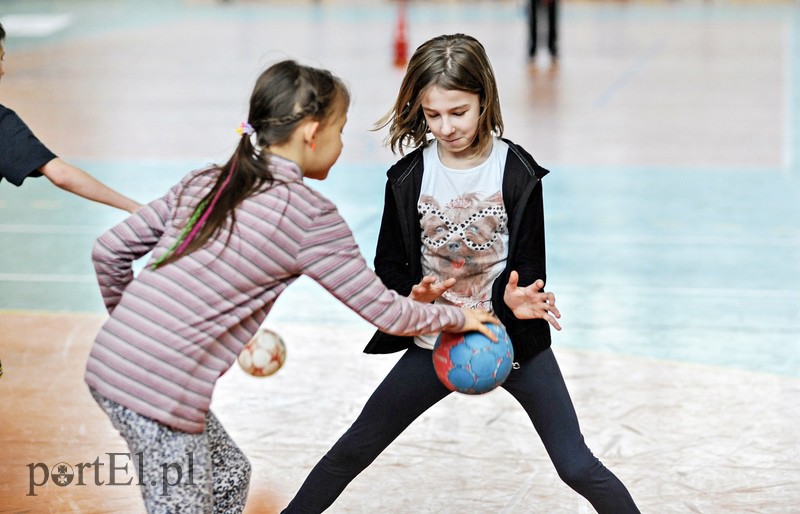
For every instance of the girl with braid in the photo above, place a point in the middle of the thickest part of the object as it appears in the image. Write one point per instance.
(463, 225)
(225, 242)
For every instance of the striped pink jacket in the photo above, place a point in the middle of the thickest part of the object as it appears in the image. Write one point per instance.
(173, 331)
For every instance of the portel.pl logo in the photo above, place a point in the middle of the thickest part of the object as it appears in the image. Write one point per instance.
(119, 471)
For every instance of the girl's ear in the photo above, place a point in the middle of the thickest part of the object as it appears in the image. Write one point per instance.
(310, 129)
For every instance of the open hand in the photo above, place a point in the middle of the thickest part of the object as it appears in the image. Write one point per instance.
(529, 303)
(428, 289)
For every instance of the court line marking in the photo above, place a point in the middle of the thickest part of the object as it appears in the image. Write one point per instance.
(792, 81)
(671, 240)
(50, 229)
(630, 73)
(633, 290)
(619, 290)
(35, 25)
(46, 277)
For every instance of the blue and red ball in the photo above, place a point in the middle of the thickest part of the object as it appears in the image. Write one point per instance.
(471, 363)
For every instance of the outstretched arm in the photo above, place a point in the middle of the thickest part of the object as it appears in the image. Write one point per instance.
(530, 302)
(429, 290)
(77, 181)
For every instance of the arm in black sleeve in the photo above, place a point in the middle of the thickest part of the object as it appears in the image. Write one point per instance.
(527, 255)
(392, 262)
(530, 245)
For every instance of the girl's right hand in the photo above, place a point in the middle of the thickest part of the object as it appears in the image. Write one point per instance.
(474, 322)
(429, 289)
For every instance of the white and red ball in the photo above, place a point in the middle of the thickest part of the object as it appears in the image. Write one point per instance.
(264, 354)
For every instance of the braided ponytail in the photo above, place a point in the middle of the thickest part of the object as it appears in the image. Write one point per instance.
(284, 95)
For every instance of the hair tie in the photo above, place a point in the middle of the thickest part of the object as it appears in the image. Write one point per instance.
(257, 148)
(245, 128)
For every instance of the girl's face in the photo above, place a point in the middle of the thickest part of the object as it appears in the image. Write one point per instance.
(2, 56)
(452, 117)
(328, 146)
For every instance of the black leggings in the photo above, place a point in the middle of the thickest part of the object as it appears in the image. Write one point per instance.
(412, 387)
(551, 7)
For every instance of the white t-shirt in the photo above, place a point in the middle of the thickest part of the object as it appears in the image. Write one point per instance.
(464, 228)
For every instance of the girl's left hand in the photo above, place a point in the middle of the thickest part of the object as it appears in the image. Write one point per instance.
(529, 303)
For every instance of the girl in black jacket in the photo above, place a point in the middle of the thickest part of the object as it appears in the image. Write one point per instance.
(463, 224)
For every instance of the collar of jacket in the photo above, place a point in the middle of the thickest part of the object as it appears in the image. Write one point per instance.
(520, 176)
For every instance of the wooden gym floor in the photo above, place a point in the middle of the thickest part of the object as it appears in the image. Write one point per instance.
(672, 129)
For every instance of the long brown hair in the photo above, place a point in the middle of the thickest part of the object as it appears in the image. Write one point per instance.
(452, 62)
(284, 95)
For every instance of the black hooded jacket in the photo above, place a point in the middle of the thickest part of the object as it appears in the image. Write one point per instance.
(398, 255)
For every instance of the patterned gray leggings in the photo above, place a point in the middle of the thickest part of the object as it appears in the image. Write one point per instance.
(181, 472)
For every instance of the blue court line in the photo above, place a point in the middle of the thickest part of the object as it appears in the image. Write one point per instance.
(46, 277)
(792, 129)
(629, 74)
